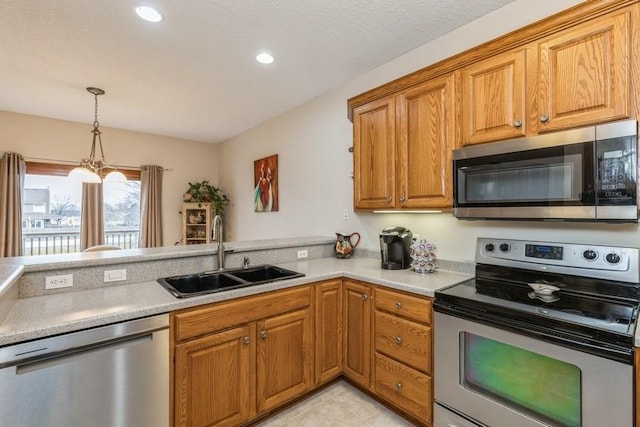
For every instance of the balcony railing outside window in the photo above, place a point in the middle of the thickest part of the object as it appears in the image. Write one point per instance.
(63, 242)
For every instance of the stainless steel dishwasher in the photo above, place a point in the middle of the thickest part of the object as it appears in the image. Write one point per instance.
(115, 375)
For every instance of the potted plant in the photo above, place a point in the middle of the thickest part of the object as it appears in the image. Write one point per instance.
(204, 192)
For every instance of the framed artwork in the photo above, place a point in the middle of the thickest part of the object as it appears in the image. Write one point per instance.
(265, 180)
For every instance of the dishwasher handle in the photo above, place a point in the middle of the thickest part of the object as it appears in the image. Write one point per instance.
(48, 360)
(84, 340)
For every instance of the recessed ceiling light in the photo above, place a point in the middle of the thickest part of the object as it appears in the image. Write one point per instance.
(148, 14)
(264, 58)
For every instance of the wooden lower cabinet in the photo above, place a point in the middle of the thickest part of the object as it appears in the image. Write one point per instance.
(405, 388)
(403, 344)
(236, 361)
(328, 325)
(215, 379)
(356, 345)
(285, 358)
(226, 375)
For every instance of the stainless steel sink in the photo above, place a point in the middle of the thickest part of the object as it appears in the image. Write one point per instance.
(216, 281)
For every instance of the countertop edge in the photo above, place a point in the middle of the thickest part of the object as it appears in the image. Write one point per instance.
(88, 316)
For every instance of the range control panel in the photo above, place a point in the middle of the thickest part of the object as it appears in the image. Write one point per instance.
(571, 258)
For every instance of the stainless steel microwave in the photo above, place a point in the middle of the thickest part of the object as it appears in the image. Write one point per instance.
(583, 174)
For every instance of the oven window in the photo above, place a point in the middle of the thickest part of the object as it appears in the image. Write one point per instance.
(542, 387)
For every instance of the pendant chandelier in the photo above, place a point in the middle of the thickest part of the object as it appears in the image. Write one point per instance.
(92, 169)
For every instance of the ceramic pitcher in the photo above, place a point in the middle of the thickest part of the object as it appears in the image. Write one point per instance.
(345, 244)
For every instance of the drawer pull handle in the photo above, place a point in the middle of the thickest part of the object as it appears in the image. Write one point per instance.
(544, 118)
(398, 304)
(246, 340)
(263, 334)
(365, 297)
(517, 123)
(398, 340)
(399, 386)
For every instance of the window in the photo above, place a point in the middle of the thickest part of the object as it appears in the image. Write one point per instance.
(51, 210)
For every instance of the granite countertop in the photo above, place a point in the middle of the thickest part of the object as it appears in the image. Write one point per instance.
(42, 316)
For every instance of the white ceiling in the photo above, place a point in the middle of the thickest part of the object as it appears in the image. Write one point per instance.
(194, 75)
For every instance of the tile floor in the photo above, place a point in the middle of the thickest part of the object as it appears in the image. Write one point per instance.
(340, 404)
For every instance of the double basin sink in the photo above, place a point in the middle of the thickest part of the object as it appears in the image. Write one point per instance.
(223, 280)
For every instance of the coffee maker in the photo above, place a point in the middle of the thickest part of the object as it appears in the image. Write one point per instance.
(395, 248)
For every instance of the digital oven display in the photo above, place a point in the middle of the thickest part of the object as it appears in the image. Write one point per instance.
(543, 251)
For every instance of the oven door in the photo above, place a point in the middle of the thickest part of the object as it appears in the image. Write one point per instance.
(501, 378)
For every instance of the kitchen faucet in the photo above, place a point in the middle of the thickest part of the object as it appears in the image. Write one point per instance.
(217, 226)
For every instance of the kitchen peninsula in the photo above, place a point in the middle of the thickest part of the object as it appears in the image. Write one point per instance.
(90, 303)
(31, 313)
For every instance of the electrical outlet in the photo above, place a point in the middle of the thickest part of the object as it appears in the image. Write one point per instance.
(345, 214)
(55, 282)
(303, 253)
(115, 275)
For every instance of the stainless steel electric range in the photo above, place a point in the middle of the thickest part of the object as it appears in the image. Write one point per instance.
(543, 336)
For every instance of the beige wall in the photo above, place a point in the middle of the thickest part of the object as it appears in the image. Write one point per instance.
(312, 142)
(188, 161)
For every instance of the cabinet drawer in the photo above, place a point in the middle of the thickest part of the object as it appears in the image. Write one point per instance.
(408, 306)
(404, 387)
(195, 322)
(406, 341)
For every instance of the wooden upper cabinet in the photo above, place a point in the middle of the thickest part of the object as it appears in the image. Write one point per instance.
(494, 91)
(426, 135)
(585, 73)
(374, 159)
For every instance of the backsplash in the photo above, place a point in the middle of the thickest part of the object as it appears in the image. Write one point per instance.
(33, 283)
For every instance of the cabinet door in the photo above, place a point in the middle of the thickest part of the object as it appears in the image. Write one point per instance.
(373, 152)
(426, 136)
(357, 333)
(285, 358)
(493, 98)
(214, 381)
(328, 345)
(585, 73)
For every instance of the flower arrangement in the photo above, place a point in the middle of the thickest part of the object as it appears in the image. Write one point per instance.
(204, 192)
(423, 257)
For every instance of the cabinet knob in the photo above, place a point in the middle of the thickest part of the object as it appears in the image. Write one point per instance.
(351, 149)
(402, 198)
(398, 340)
(365, 297)
(544, 118)
(399, 386)
(517, 123)
(389, 199)
(398, 305)
(246, 340)
(263, 334)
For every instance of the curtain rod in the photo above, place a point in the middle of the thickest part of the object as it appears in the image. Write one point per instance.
(68, 162)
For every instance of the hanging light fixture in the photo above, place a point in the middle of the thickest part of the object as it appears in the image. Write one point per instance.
(92, 169)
